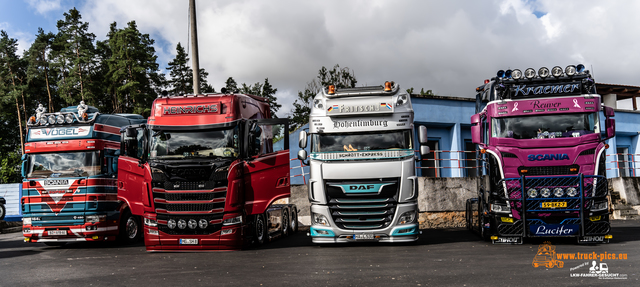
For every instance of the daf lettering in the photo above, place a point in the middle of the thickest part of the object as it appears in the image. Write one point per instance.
(361, 187)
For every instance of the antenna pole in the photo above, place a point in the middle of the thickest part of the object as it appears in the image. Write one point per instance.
(194, 44)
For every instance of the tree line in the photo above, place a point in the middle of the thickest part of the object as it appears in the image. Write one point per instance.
(117, 75)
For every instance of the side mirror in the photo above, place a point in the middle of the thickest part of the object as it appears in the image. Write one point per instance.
(302, 155)
(424, 150)
(23, 171)
(611, 127)
(475, 129)
(24, 156)
(302, 141)
(116, 153)
(608, 112)
(131, 133)
(422, 135)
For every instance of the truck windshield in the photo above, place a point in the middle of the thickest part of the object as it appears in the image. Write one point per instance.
(190, 144)
(66, 164)
(545, 126)
(379, 140)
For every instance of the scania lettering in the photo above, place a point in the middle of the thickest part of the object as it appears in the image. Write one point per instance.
(205, 173)
(541, 143)
(362, 184)
(69, 178)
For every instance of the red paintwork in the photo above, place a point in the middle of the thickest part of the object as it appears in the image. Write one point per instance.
(70, 145)
(252, 185)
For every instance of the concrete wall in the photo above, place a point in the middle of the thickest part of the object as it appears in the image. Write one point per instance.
(628, 188)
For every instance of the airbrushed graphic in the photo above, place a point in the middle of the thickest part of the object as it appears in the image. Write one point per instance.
(60, 195)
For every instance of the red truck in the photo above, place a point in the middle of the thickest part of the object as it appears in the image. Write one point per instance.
(204, 172)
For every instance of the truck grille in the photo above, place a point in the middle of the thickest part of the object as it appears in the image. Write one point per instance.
(190, 207)
(362, 210)
(550, 170)
(189, 196)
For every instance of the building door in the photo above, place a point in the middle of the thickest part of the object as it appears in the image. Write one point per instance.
(623, 161)
(429, 164)
(469, 157)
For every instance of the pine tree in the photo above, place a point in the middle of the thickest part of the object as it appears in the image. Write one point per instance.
(12, 77)
(132, 69)
(340, 77)
(73, 57)
(40, 77)
(181, 75)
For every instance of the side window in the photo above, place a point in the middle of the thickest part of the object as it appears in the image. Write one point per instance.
(271, 136)
(140, 143)
(132, 144)
(485, 129)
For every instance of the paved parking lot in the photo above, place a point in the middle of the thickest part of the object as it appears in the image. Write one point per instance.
(441, 257)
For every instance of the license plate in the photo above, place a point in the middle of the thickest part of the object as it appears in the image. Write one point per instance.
(57, 232)
(553, 204)
(592, 239)
(189, 241)
(364, 236)
(508, 240)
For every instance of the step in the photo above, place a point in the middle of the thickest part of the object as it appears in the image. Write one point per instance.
(619, 206)
(624, 213)
(628, 217)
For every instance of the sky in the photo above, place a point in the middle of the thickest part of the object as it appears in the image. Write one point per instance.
(448, 47)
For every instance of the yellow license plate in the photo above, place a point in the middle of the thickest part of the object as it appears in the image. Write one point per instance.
(553, 204)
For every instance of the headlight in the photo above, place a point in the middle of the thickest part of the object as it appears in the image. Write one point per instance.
(150, 222)
(543, 72)
(230, 221)
(572, 191)
(171, 224)
(402, 99)
(319, 219)
(599, 205)
(570, 70)
(532, 192)
(500, 208)
(43, 120)
(26, 221)
(193, 224)
(556, 71)
(558, 192)
(59, 119)
(203, 223)
(407, 217)
(182, 224)
(94, 218)
(51, 120)
(516, 74)
(545, 192)
(68, 118)
(529, 73)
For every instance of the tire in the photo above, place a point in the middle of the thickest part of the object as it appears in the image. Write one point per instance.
(484, 234)
(468, 214)
(130, 228)
(293, 223)
(285, 222)
(260, 229)
(55, 244)
(3, 211)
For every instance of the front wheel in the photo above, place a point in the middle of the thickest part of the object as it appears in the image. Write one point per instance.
(293, 224)
(260, 229)
(285, 222)
(130, 228)
(3, 211)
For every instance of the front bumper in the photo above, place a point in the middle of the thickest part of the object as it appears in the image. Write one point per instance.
(103, 231)
(392, 233)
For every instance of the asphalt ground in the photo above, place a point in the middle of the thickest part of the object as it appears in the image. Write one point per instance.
(442, 257)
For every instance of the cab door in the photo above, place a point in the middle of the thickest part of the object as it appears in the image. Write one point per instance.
(266, 169)
(132, 186)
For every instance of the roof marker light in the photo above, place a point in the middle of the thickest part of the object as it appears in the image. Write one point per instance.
(543, 72)
(529, 73)
(556, 71)
(332, 90)
(501, 74)
(516, 74)
(507, 73)
(580, 68)
(387, 86)
(486, 81)
(570, 70)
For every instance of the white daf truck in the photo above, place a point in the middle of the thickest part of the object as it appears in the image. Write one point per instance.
(363, 184)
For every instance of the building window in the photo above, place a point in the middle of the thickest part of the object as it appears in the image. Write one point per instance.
(624, 162)
(469, 159)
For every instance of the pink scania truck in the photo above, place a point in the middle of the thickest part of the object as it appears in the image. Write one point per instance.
(541, 148)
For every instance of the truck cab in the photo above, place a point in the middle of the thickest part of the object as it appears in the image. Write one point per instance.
(541, 143)
(69, 171)
(205, 172)
(362, 184)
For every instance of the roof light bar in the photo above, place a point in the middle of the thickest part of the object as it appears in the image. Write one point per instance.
(570, 70)
(543, 72)
(556, 71)
(516, 74)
